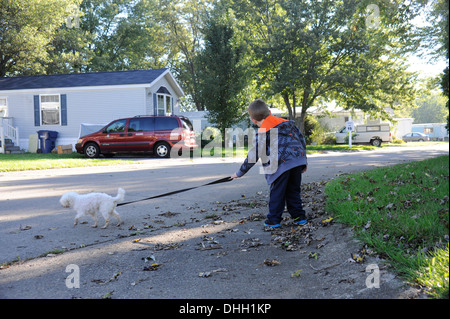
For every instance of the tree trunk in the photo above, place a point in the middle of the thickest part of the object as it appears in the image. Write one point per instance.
(288, 104)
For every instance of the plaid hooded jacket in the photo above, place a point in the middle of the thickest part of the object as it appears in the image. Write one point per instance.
(280, 145)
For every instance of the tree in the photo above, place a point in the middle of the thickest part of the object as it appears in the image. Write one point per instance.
(69, 50)
(27, 28)
(433, 40)
(431, 109)
(183, 21)
(127, 35)
(341, 50)
(222, 78)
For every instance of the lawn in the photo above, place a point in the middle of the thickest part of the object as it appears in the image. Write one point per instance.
(402, 213)
(33, 161)
(361, 147)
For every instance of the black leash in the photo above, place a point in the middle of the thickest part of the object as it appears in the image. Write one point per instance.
(222, 180)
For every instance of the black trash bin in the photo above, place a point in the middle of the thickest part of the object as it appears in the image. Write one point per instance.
(47, 140)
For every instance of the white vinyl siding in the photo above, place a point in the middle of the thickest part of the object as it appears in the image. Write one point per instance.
(3, 106)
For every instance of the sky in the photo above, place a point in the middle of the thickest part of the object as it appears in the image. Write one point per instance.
(426, 68)
(422, 65)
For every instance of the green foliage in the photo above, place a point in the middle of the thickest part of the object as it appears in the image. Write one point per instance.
(400, 211)
(222, 77)
(431, 109)
(27, 28)
(306, 50)
(298, 52)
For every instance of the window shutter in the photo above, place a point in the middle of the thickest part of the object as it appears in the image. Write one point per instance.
(37, 118)
(155, 106)
(171, 101)
(63, 109)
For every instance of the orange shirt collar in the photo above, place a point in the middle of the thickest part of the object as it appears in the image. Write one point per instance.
(269, 123)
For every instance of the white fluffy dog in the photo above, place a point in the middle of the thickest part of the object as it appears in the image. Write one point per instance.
(92, 203)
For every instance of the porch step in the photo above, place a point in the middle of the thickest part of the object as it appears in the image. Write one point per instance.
(10, 148)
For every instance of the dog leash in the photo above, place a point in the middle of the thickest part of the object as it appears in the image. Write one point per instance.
(222, 180)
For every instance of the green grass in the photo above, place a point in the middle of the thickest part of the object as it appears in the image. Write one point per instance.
(33, 161)
(361, 147)
(402, 212)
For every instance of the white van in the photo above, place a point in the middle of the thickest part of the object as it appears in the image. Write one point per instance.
(374, 134)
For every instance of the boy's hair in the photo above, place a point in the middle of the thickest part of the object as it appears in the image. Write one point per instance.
(258, 110)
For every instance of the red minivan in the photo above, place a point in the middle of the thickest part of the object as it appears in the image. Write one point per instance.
(140, 134)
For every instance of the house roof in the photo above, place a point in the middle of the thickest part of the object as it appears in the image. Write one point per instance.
(85, 80)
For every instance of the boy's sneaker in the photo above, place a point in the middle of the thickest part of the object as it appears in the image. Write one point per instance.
(271, 224)
(300, 221)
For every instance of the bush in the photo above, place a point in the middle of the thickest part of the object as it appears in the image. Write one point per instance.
(396, 140)
(316, 133)
(329, 139)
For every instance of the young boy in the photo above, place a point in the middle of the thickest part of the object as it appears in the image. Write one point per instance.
(283, 167)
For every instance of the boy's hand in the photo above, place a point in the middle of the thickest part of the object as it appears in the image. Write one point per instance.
(234, 176)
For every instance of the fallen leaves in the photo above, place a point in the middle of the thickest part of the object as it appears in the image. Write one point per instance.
(209, 243)
(152, 267)
(104, 282)
(207, 274)
(327, 221)
(359, 257)
(271, 262)
(250, 243)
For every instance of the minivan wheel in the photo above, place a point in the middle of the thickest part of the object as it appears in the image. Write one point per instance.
(162, 150)
(91, 150)
(376, 142)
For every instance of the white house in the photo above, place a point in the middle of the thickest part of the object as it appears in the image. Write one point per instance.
(63, 102)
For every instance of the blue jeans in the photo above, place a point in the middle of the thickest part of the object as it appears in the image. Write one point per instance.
(286, 189)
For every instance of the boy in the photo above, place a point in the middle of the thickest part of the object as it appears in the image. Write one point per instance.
(283, 167)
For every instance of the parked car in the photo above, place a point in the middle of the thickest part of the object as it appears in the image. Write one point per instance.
(415, 137)
(140, 134)
(374, 134)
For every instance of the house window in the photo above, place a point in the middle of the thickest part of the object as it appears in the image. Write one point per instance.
(164, 101)
(428, 130)
(3, 107)
(164, 104)
(50, 109)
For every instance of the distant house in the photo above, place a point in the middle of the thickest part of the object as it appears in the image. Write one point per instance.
(436, 131)
(335, 117)
(63, 102)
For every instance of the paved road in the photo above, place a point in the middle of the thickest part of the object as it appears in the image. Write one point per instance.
(33, 224)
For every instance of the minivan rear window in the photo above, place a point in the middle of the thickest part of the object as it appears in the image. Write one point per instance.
(187, 124)
(141, 124)
(165, 123)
